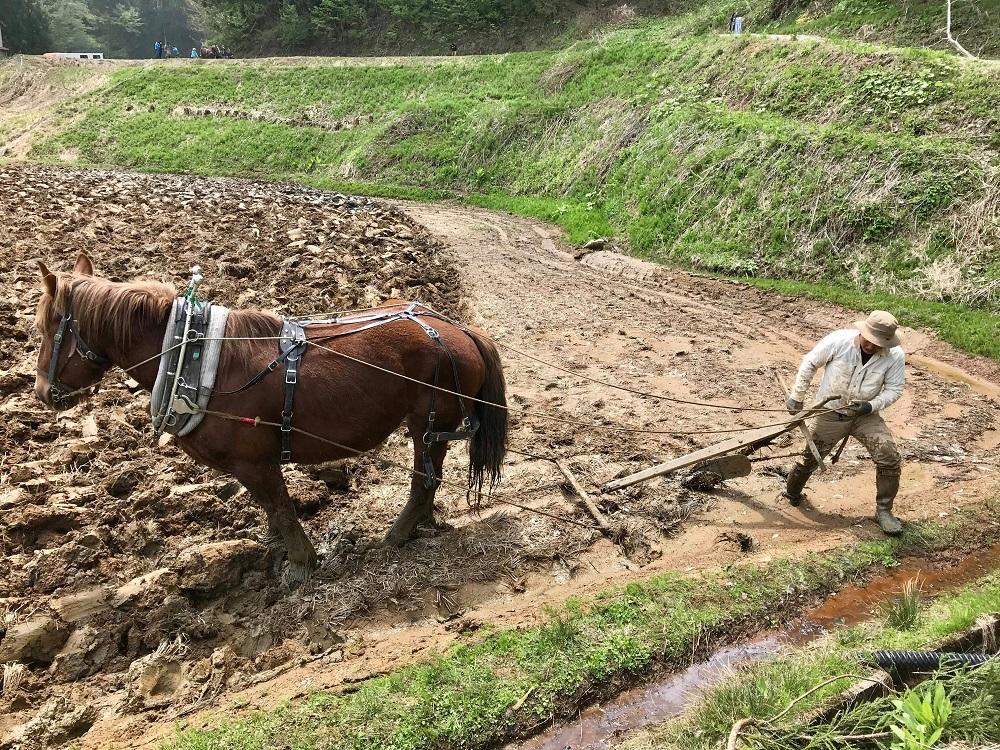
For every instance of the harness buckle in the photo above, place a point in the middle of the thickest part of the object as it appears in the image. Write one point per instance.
(429, 434)
(291, 376)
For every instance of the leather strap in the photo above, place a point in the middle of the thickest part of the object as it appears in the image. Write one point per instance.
(291, 348)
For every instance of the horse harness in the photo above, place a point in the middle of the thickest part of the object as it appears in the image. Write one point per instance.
(186, 373)
(59, 392)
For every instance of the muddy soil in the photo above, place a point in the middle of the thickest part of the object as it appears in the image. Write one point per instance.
(133, 591)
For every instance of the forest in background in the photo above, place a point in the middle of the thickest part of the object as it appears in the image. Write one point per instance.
(118, 28)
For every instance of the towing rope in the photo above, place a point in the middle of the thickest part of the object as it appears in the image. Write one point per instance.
(255, 421)
(506, 407)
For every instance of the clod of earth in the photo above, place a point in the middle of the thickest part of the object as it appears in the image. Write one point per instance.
(216, 566)
(34, 641)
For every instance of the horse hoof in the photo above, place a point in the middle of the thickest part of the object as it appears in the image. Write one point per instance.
(296, 574)
(395, 538)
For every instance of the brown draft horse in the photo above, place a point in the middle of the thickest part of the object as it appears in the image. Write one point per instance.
(343, 401)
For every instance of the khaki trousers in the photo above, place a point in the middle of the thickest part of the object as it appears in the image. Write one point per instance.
(872, 432)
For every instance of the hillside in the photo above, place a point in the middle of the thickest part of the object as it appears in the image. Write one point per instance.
(476, 27)
(860, 166)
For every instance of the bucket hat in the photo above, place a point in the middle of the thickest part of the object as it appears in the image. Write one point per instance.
(880, 328)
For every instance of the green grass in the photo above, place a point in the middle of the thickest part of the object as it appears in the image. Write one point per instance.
(826, 162)
(900, 22)
(969, 329)
(903, 612)
(763, 690)
(499, 684)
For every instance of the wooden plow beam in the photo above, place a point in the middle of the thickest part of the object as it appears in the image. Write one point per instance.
(745, 440)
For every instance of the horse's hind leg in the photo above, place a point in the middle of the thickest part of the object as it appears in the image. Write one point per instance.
(267, 486)
(419, 509)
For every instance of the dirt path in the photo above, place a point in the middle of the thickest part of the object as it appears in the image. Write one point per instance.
(605, 316)
(634, 323)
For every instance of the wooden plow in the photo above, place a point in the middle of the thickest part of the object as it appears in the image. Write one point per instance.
(740, 445)
(728, 458)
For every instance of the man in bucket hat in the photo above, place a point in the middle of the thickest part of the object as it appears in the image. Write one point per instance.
(864, 369)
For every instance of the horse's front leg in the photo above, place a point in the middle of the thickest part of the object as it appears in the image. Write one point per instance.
(267, 485)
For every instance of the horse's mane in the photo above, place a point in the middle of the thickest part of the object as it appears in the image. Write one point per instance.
(109, 310)
(118, 311)
(247, 324)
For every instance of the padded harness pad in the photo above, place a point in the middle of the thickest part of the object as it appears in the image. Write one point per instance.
(199, 369)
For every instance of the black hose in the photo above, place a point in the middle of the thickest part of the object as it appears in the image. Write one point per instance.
(918, 661)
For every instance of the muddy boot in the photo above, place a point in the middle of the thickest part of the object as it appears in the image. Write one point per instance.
(887, 486)
(797, 479)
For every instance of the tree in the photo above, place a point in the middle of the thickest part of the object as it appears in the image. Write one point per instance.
(294, 25)
(25, 26)
(947, 31)
(339, 17)
(70, 24)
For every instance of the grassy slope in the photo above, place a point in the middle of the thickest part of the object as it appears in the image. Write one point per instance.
(763, 690)
(837, 163)
(501, 684)
(902, 22)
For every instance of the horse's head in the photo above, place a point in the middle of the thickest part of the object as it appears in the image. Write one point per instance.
(68, 369)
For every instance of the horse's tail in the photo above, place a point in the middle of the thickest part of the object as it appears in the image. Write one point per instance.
(489, 445)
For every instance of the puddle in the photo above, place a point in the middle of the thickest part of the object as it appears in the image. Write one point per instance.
(602, 727)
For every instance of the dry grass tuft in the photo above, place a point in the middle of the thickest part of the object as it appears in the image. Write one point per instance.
(13, 675)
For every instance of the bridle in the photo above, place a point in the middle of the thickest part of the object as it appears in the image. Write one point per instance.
(59, 393)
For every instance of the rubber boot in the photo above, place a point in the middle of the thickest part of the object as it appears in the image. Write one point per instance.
(797, 479)
(887, 485)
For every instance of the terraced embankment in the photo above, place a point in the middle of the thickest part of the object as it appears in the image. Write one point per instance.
(869, 168)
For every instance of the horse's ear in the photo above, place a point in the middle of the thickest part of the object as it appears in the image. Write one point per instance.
(48, 279)
(83, 266)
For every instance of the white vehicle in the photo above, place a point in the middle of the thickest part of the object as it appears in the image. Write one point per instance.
(75, 55)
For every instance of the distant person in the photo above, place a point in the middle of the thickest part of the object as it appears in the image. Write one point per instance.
(158, 49)
(454, 48)
(732, 23)
(174, 52)
(863, 367)
(194, 53)
(738, 24)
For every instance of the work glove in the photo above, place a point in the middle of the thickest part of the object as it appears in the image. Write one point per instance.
(861, 408)
(793, 406)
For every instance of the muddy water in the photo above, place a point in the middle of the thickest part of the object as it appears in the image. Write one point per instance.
(854, 604)
(602, 727)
